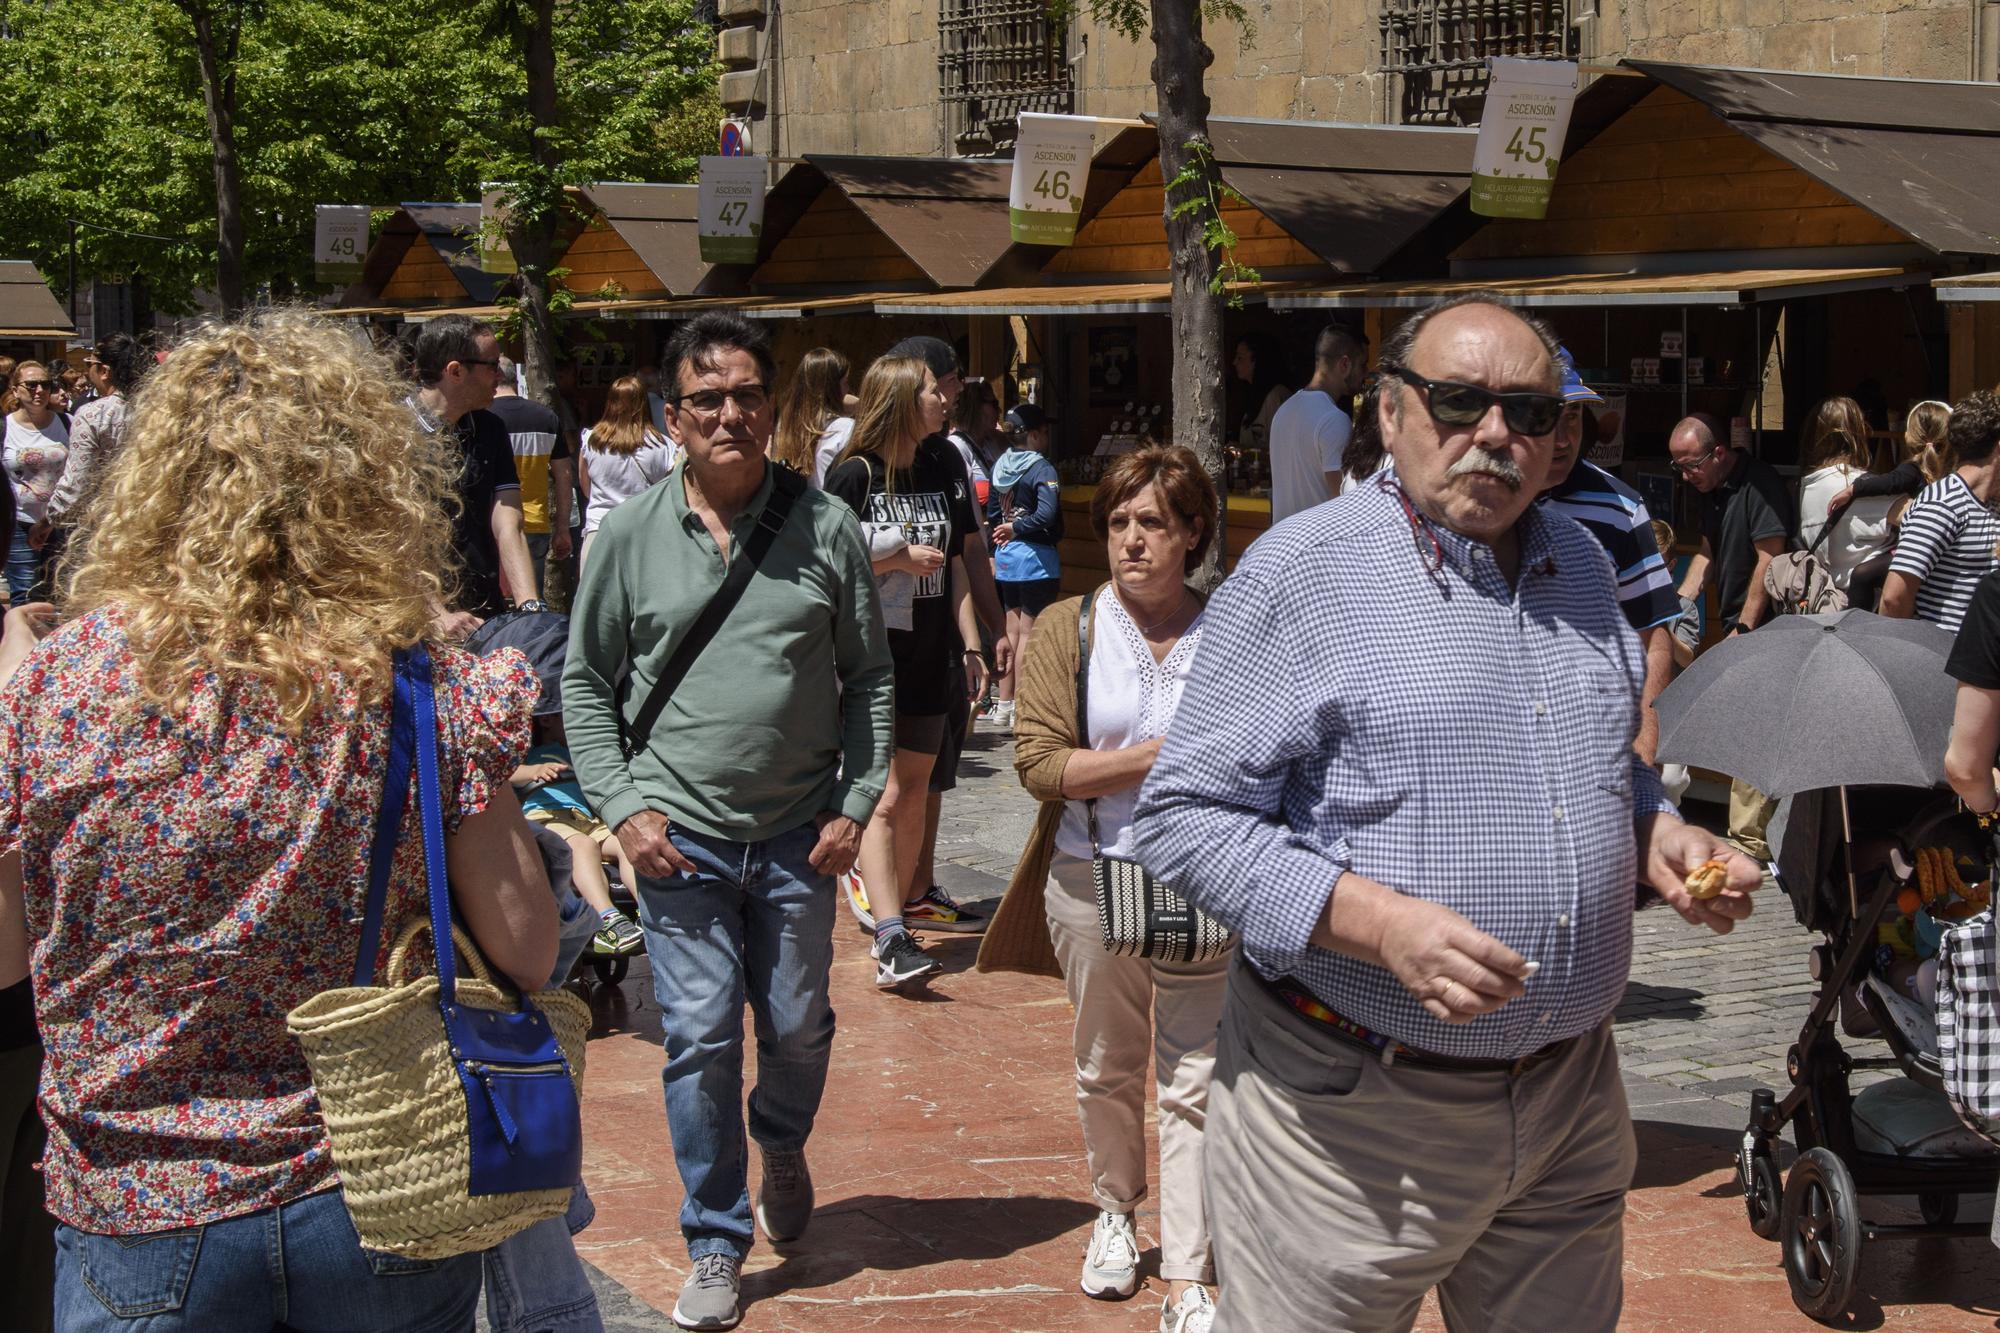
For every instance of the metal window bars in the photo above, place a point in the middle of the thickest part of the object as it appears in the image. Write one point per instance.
(996, 59)
(1437, 49)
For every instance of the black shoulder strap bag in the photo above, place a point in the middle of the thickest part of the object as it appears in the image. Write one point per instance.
(1138, 915)
(786, 487)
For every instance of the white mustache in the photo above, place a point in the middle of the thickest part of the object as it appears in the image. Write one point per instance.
(1487, 464)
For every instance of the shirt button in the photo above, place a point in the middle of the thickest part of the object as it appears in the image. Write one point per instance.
(1559, 814)
(1563, 920)
(1541, 709)
(1543, 1021)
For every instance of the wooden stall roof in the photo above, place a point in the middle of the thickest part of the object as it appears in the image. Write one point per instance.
(911, 222)
(1731, 288)
(1922, 155)
(427, 255)
(28, 309)
(642, 237)
(1121, 298)
(1968, 287)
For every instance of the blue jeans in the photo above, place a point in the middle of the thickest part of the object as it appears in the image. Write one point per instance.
(753, 922)
(24, 565)
(299, 1265)
(536, 1284)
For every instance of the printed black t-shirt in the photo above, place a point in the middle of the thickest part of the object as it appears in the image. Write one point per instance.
(932, 503)
(1975, 656)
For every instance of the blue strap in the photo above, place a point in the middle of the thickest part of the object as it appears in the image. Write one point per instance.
(431, 809)
(388, 821)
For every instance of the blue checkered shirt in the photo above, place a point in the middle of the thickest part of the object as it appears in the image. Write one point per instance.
(1443, 734)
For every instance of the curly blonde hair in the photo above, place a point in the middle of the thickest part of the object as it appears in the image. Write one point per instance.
(275, 513)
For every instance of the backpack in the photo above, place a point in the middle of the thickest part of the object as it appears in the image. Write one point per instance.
(1801, 583)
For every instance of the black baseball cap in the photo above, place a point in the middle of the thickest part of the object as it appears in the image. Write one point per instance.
(933, 352)
(1025, 417)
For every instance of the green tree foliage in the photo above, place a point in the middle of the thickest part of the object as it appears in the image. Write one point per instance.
(337, 101)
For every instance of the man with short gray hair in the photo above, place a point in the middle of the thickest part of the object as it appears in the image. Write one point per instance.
(1402, 773)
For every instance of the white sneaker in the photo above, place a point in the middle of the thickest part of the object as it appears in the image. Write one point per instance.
(1002, 713)
(1194, 1312)
(1111, 1264)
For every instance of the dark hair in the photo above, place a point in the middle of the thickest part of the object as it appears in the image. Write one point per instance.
(1398, 347)
(933, 352)
(1974, 428)
(1336, 341)
(443, 340)
(697, 343)
(124, 360)
(812, 401)
(1182, 482)
(1363, 458)
(1267, 372)
(976, 396)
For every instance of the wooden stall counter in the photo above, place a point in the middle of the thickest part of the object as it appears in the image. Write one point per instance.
(1084, 566)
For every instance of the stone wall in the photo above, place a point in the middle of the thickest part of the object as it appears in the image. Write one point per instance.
(860, 76)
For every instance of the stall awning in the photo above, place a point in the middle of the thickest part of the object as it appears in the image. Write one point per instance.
(1123, 298)
(1732, 288)
(1969, 287)
(28, 309)
(657, 223)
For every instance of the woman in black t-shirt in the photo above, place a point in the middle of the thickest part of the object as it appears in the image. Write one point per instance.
(915, 511)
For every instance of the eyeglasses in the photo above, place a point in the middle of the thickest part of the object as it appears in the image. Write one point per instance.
(749, 398)
(1694, 465)
(1453, 404)
(471, 361)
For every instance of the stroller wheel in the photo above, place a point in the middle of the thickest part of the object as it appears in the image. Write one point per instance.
(1939, 1210)
(610, 971)
(1763, 1196)
(1821, 1233)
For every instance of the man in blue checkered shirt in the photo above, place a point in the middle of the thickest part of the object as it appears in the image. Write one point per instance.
(1402, 772)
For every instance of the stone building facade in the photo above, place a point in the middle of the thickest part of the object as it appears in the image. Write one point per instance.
(940, 77)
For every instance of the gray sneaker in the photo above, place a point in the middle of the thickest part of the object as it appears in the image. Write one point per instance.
(708, 1297)
(785, 1197)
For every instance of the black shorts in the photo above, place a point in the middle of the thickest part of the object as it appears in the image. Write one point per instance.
(923, 732)
(944, 773)
(1031, 595)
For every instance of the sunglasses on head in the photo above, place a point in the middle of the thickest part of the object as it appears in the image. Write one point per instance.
(1453, 404)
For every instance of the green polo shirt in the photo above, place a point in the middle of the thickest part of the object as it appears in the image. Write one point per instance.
(787, 713)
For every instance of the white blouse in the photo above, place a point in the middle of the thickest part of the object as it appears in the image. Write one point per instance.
(1132, 699)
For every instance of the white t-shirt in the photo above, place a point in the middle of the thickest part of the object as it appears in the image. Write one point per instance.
(1308, 439)
(831, 441)
(1132, 699)
(35, 459)
(616, 478)
(1861, 532)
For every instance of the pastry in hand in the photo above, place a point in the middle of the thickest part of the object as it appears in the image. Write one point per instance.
(1708, 879)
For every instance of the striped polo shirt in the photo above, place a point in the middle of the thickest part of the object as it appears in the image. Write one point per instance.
(1612, 512)
(1947, 543)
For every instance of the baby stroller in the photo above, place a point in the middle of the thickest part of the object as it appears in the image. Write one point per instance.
(1874, 870)
(543, 637)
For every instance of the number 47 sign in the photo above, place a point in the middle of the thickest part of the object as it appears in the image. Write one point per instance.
(731, 209)
(1521, 135)
(1051, 171)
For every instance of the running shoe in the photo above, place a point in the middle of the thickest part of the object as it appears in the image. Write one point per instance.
(785, 1197)
(708, 1297)
(1194, 1312)
(901, 961)
(1002, 713)
(1111, 1264)
(856, 894)
(619, 936)
(936, 911)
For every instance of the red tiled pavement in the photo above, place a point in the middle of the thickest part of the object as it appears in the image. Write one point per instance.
(951, 1186)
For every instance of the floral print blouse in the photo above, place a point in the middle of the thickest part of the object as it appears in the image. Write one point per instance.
(191, 878)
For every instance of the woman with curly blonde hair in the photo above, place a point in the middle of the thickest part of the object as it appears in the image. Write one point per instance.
(193, 763)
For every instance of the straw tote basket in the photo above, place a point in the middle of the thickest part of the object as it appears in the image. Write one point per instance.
(453, 1108)
(394, 1105)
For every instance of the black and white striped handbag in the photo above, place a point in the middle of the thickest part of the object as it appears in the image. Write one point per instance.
(1139, 916)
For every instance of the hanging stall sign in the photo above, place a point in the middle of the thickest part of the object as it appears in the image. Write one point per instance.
(1521, 135)
(1051, 169)
(730, 208)
(340, 242)
(495, 254)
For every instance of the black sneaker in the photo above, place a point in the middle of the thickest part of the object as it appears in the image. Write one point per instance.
(900, 960)
(936, 911)
(785, 1198)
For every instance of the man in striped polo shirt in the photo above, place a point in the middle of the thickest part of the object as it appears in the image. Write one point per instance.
(1948, 537)
(1613, 513)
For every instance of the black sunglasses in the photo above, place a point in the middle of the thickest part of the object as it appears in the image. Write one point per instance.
(1455, 404)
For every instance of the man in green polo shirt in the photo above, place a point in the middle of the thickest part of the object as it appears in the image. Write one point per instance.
(746, 796)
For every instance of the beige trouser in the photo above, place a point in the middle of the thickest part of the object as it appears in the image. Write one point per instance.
(1750, 813)
(1126, 1007)
(1341, 1191)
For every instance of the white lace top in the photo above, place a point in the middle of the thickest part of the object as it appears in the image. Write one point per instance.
(1132, 699)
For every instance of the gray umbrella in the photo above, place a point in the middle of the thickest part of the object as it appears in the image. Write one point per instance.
(1846, 699)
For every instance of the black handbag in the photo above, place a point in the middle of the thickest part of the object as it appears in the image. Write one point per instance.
(1137, 915)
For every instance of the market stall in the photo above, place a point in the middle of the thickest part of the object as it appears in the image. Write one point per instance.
(32, 323)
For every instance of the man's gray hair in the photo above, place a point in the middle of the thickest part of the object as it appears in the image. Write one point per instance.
(1396, 350)
(507, 370)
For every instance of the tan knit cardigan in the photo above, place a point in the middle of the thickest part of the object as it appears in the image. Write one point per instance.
(1017, 939)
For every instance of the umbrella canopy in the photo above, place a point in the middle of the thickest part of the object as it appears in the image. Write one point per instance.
(542, 636)
(1845, 699)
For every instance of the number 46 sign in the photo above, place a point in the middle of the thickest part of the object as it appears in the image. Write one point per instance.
(1521, 135)
(1051, 171)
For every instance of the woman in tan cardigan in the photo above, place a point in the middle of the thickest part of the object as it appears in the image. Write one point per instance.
(1156, 512)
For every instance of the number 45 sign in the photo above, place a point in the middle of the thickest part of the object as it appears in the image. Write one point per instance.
(1521, 136)
(1051, 170)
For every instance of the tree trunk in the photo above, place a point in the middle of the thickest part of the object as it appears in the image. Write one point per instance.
(1180, 64)
(531, 229)
(218, 95)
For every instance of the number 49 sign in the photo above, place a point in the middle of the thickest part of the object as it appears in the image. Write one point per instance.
(1521, 136)
(1051, 171)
